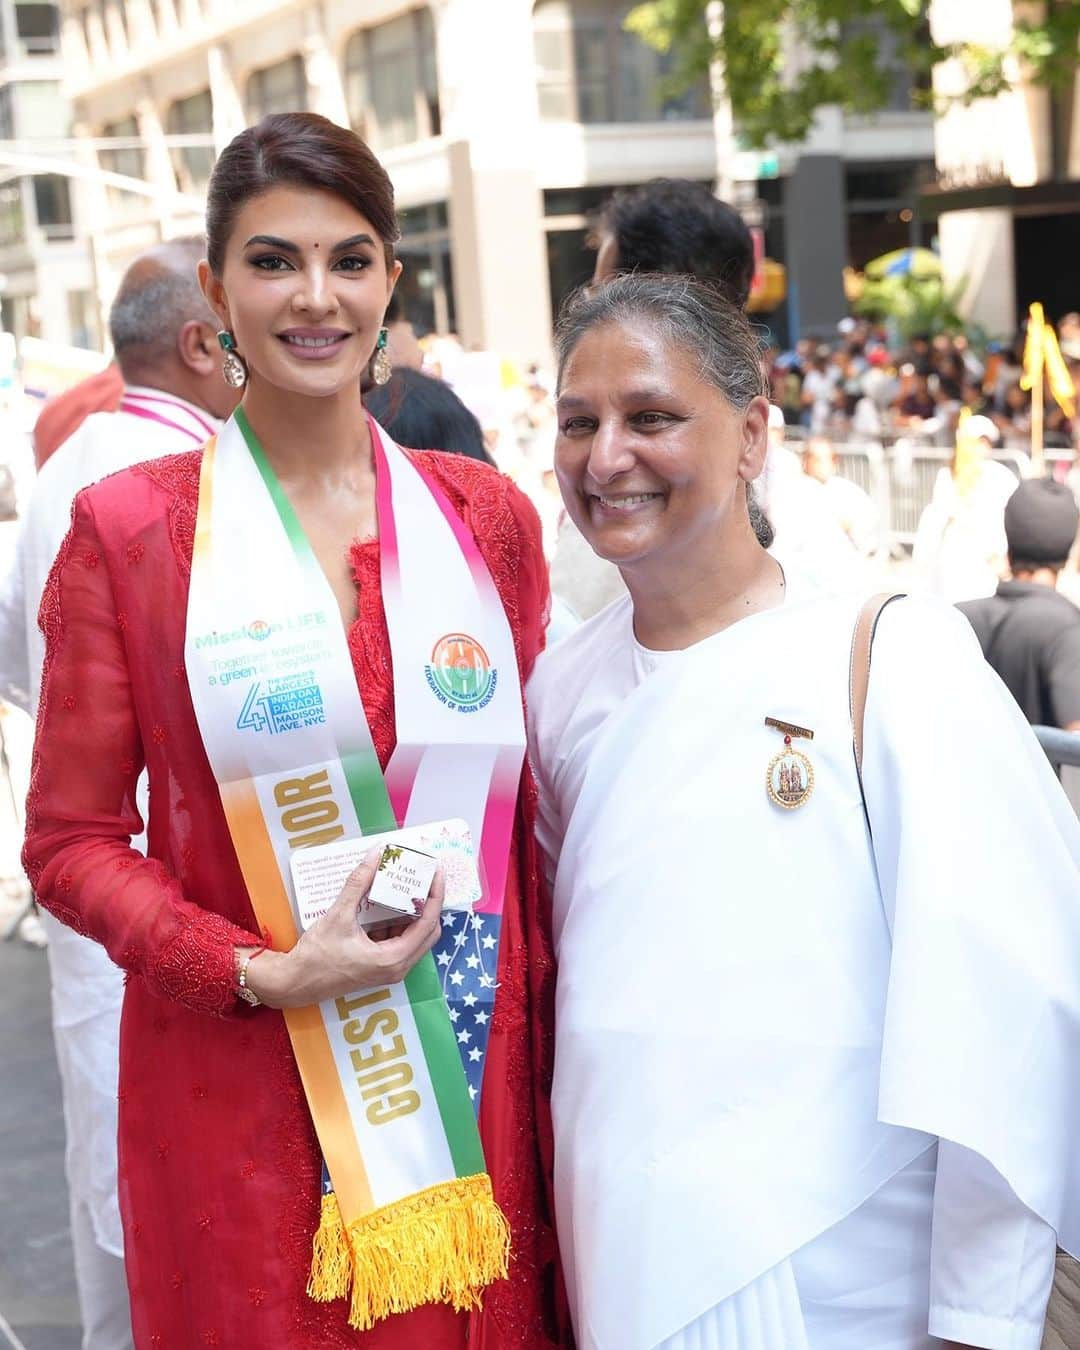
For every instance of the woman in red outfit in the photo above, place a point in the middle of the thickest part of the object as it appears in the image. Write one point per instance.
(220, 1166)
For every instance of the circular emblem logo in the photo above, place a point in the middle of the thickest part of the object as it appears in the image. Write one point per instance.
(460, 671)
(790, 779)
(258, 630)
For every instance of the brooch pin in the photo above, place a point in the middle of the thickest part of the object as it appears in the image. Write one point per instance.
(790, 776)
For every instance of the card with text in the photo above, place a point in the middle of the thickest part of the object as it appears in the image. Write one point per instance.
(319, 873)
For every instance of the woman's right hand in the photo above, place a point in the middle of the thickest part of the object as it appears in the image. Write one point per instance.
(336, 956)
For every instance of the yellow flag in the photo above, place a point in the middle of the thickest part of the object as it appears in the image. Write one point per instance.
(1034, 347)
(1058, 376)
(967, 459)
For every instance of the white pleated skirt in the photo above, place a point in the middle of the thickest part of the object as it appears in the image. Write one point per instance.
(863, 1283)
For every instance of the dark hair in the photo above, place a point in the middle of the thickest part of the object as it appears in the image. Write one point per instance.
(689, 315)
(424, 413)
(677, 226)
(297, 150)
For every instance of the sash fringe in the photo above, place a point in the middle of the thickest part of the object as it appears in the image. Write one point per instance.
(441, 1245)
(331, 1263)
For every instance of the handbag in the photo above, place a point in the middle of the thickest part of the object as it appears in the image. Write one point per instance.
(1062, 1327)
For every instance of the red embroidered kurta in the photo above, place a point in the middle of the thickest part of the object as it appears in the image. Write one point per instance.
(219, 1168)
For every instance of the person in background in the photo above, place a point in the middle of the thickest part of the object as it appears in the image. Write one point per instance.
(62, 416)
(675, 225)
(960, 546)
(818, 387)
(422, 412)
(917, 403)
(852, 508)
(806, 534)
(1029, 632)
(173, 396)
(668, 225)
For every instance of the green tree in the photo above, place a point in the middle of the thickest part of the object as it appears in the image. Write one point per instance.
(856, 49)
(915, 305)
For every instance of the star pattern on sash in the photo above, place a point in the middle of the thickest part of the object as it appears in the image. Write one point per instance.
(467, 960)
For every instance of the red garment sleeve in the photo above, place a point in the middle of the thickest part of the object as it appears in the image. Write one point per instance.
(82, 812)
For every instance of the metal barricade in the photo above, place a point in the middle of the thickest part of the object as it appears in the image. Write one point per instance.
(1062, 749)
(901, 478)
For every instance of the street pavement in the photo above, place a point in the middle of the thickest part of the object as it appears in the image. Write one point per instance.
(38, 1305)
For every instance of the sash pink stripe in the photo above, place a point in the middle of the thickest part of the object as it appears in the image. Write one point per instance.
(208, 427)
(133, 410)
(384, 511)
(498, 828)
(400, 775)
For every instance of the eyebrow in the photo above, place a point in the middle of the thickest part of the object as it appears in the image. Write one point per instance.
(632, 396)
(272, 241)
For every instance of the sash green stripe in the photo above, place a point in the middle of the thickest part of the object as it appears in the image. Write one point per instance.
(367, 787)
(439, 1041)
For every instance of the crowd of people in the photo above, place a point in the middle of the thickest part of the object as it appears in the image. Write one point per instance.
(865, 386)
(297, 604)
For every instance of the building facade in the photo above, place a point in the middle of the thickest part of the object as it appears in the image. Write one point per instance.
(503, 124)
(47, 286)
(1006, 198)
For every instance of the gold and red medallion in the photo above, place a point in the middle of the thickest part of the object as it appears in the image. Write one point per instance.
(790, 775)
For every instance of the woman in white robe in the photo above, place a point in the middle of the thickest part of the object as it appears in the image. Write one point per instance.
(814, 1090)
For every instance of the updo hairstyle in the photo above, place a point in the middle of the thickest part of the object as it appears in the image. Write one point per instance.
(297, 150)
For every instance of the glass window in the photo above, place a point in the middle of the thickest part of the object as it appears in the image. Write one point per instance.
(52, 198)
(125, 159)
(83, 320)
(277, 89)
(391, 81)
(192, 116)
(38, 27)
(426, 287)
(590, 69)
(7, 112)
(12, 225)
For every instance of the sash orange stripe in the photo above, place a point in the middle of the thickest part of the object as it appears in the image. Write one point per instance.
(311, 1046)
(307, 1032)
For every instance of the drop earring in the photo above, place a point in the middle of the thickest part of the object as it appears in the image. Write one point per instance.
(381, 369)
(233, 370)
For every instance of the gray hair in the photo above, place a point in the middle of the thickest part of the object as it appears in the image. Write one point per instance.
(159, 293)
(689, 315)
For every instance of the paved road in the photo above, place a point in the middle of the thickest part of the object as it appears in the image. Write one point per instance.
(38, 1307)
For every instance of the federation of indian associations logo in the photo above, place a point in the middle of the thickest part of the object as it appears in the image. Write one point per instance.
(460, 674)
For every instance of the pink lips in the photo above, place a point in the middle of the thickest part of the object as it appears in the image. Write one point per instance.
(313, 344)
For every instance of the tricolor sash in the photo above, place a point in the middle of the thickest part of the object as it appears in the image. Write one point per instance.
(408, 1213)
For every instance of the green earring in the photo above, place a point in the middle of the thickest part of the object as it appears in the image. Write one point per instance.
(381, 369)
(233, 370)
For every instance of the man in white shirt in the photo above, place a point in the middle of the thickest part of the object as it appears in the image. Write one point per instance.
(164, 338)
(852, 508)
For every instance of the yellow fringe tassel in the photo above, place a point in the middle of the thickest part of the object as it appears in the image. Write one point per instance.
(331, 1260)
(442, 1245)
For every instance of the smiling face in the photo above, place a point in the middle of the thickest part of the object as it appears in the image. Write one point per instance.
(652, 460)
(303, 288)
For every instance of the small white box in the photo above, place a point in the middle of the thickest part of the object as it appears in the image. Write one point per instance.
(403, 880)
